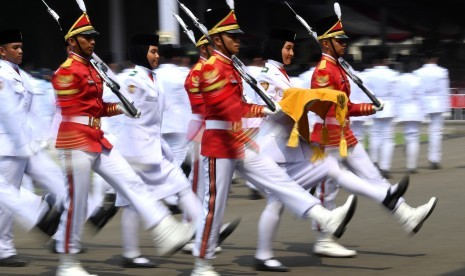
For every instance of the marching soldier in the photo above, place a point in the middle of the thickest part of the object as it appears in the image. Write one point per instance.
(340, 140)
(436, 99)
(225, 147)
(410, 113)
(83, 148)
(382, 79)
(149, 154)
(22, 149)
(194, 135)
(301, 161)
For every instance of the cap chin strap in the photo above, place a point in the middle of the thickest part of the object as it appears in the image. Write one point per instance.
(334, 49)
(79, 46)
(224, 45)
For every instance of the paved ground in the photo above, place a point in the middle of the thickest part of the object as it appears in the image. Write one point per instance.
(383, 248)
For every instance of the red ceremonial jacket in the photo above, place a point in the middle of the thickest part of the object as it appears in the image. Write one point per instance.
(79, 90)
(195, 127)
(329, 74)
(221, 88)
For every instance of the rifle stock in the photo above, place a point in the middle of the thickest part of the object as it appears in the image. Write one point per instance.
(359, 82)
(252, 82)
(115, 89)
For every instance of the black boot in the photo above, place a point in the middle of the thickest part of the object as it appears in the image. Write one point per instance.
(391, 199)
(227, 230)
(101, 217)
(50, 221)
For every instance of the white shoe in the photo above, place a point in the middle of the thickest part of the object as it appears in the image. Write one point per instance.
(203, 268)
(170, 235)
(72, 269)
(187, 249)
(412, 219)
(334, 222)
(325, 245)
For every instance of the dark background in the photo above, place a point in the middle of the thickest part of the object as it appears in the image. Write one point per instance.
(394, 22)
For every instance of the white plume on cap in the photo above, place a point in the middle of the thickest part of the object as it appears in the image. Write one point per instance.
(230, 4)
(81, 4)
(337, 10)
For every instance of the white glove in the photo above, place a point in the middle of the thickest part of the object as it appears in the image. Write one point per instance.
(380, 108)
(123, 109)
(268, 111)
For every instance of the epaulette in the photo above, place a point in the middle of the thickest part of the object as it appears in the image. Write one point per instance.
(265, 70)
(67, 63)
(198, 66)
(211, 60)
(322, 65)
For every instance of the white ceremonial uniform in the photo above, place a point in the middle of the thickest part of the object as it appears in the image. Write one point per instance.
(272, 138)
(382, 81)
(26, 206)
(142, 144)
(410, 112)
(177, 110)
(110, 126)
(436, 101)
(22, 151)
(252, 124)
(43, 105)
(359, 124)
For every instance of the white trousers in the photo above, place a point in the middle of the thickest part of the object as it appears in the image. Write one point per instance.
(382, 142)
(309, 175)
(163, 180)
(114, 169)
(435, 131)
(25, 206)
(43, 171)
(259, 169)
(361, 165)
(412, 143)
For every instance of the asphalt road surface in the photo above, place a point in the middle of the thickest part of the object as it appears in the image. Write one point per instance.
(383, 247)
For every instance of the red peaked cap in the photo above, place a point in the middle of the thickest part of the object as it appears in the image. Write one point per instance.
(328, 27)
(76, 22)
(221, 20)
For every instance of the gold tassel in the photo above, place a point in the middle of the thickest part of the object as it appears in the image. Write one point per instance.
(324, 134)
(318, 153)
(343, 147)
(294, 137)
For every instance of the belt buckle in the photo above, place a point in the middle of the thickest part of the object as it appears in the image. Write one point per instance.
(94, 122)
(236, 126)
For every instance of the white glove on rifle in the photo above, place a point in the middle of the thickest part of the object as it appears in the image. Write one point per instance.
(268, 111)
(380, 108)
(123, 109)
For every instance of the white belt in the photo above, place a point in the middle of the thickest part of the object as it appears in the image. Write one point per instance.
(328, 120)
(226, 125)
(83, 120)
(197, 117)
